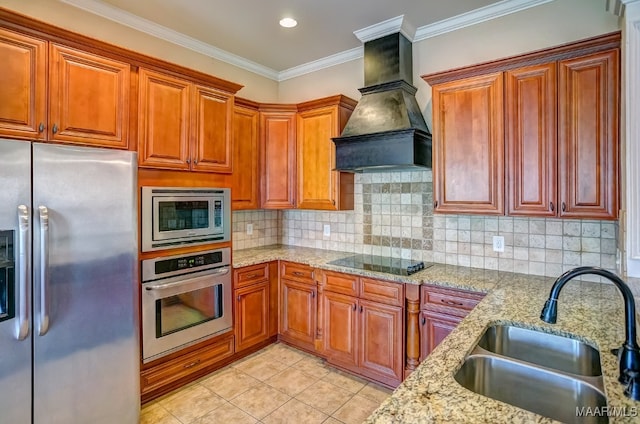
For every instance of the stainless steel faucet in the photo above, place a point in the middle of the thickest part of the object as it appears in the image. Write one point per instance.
(629, 353)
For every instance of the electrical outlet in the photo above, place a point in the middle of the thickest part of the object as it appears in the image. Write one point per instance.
(498, 243)
(249, 229)
(326, 230)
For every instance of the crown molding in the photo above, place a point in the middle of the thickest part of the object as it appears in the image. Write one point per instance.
(148, 27)
(390, 26)
(487, 13)
(326, 62)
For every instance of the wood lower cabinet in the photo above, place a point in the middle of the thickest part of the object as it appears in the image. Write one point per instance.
(245, 193)
(441, 310)
(468, 146)
(298, 305)
(166, 375)
(359, 334)
(277, 156)
(253, 308)
(87, 95)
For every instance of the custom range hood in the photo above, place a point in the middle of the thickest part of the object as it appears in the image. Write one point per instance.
(386, 131)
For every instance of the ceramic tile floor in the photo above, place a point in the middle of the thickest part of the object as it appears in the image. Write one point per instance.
(276, 385)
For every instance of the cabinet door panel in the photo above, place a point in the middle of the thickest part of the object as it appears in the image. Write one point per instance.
(317, 182)
(381, 336)
(298, 313)
(435, 327)
(531, 143)
(23, 77)
(340, 328)
(251, 315)
(212, 115)
(163, 121)
(277, 162)
(588, 135)
(245, 159)
(88, 98)
(468, 145)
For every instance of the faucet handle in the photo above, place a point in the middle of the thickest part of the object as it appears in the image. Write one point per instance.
(633, 387)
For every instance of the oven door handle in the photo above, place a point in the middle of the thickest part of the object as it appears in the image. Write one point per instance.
(198, 281)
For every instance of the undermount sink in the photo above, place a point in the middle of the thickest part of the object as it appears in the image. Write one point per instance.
(548, 350)
(549, 375)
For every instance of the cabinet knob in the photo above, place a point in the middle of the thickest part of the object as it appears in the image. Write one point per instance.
(564, 206)
(188, 161)
(551, 206)
(423, 321)
(195, 161)
(435, 204)
(54, 129)
(360, 308)
(354, 306)
(313, 294)
(41, 127)
(239, 297)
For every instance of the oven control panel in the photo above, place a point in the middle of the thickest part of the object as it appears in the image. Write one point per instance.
(187, 262)
(163, 267)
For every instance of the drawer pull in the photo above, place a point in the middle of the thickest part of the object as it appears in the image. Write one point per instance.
(252, 276)
(298, 273)
(451, 302)
(192, 364)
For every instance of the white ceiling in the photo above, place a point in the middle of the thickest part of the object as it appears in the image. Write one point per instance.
(246, 32)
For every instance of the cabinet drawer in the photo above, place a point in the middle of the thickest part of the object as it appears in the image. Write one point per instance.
(382, 291)
(337, 282)
(438, 298)
(248, 275)
(186, 365)
(297, 272)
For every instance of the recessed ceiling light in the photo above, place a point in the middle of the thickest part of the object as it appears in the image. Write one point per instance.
(288, 22)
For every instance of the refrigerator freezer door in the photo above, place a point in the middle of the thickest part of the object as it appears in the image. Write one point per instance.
(15, 355)
(86, 360)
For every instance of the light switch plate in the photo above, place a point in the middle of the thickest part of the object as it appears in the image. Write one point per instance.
(249, 229)
(326, 230)
(498, 243)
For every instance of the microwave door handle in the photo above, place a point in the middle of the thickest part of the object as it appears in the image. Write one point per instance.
(44, 270)
(182, 283)
(22, 329)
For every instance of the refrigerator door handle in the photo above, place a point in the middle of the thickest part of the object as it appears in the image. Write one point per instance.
(44, 270)
(22, 329)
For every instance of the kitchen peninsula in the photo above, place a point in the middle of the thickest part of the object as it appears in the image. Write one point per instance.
(591, 312)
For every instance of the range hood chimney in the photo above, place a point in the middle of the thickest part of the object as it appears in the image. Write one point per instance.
(386, 131)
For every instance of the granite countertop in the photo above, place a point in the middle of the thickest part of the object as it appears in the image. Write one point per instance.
(591, 312)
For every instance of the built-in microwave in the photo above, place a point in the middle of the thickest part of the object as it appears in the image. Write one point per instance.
(177, 216)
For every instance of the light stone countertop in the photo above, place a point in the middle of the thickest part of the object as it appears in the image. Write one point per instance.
(592, 312)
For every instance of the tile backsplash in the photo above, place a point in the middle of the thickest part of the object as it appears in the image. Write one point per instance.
(393, 215)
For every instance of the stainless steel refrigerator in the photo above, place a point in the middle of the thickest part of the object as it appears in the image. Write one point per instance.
(69, 343)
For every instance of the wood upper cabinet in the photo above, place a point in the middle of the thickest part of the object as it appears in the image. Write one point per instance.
(163, 121)
(88, 98)
(468, 146)
(588, 89)
(246, 173)
(23, 95)
(212, 114)
(318, 185)
(183, 126)
(530, 140)
(278, 156)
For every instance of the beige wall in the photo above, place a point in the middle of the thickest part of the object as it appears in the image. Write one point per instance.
(62, 15)
(551, 24)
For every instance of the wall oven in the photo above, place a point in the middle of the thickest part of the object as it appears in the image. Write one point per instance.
(175, 216)
(185, 299)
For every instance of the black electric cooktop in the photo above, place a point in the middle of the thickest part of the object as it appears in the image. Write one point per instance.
(382, 264)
